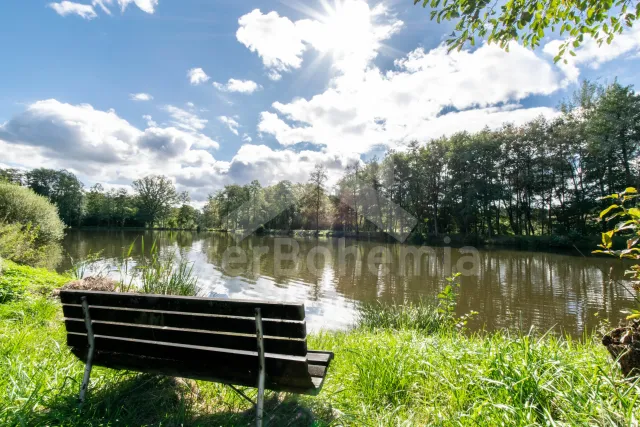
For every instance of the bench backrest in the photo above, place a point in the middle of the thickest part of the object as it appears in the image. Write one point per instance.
(202, 338)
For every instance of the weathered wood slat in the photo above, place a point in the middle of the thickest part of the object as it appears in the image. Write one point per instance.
(227, 307)
(276, 328)
(237, 360)
(295, 347)
(278, 378)
(317, 370)
(319, 357)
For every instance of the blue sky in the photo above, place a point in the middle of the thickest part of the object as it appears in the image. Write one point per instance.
(211, 93)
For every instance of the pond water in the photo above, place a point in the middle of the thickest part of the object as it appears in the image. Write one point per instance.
(508, 288)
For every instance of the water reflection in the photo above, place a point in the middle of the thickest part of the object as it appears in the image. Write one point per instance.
(508, 288)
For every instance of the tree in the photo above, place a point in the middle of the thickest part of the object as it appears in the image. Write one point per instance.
(156, 194)
(62, 188)
(318, 178)
(11, 175)
(526, 21)
(187, 217)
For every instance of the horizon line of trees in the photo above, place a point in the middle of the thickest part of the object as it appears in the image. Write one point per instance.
(541, 178)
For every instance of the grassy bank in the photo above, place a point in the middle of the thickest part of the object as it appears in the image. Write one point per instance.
(396, 368)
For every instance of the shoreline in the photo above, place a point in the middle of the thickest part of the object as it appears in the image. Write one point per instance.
(546, 243)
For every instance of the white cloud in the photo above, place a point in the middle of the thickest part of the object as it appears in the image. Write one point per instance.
(361, 110)
(102, 4)
(271, 166)
(185, 119)
(150, 121)
(147, 6)
(592, 55)
(352, 34)
(197, 76)
(102, 147)
(274, 75)
(140, 97)
(231, 123)
(87, 11)
(70, 8)
(246, 138)
(274, 38)
(241, 86)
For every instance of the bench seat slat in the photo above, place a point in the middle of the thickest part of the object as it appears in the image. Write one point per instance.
(276, 328)
(295, 347)
(227, 307)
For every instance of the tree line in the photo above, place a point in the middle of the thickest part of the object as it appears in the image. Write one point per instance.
(542, 178)
(155, 202)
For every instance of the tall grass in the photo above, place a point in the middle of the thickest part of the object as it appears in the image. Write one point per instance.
(80, 267)
(153, 272)
(421, 316)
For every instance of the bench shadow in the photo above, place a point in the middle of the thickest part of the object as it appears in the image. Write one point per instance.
(150, 400)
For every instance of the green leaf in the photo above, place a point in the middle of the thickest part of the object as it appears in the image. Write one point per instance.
(633, 316)
(634, 212)
(607, 239)
(609, 209)
(610, 196)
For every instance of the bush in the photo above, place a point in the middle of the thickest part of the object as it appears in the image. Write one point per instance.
(20, 244)
(30, 228)
(22, 206)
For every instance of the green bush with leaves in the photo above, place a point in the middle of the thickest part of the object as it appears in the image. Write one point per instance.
(624, 207)
(30, 229)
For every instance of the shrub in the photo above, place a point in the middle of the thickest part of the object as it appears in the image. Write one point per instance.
(30, 228)
(22, 206)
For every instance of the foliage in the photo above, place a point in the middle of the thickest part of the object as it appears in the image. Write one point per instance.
(17, 281)
(60, 187)
(110, 208)
(423, 316)
(20, 243)
(80, 267)
(20, 205)
(318, 178)
(628, 226)
(527, 21)
(157, 273)
(156, 194)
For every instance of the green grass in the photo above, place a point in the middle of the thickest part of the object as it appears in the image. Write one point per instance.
(18, 280)
(403, 371)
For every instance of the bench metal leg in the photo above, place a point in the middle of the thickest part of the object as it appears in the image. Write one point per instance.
(261, 369)
(91, 342)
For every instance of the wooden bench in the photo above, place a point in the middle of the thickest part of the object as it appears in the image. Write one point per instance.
(236, 342)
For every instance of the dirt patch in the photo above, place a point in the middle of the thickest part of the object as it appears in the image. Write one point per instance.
(93, 284)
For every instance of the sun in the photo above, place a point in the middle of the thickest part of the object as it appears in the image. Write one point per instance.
(346, 28)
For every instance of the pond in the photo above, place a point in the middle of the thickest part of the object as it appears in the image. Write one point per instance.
(508, 288)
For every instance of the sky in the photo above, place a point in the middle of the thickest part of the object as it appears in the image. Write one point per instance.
(218, 92)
